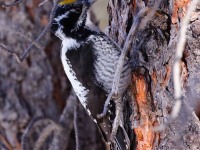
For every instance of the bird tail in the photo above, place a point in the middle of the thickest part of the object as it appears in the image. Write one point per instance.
(121, 141)
(125, 137)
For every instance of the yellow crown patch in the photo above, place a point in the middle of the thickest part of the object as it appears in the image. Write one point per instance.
(64, 2)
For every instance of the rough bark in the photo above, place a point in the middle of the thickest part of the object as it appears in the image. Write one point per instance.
(35, 97)
(152, 57)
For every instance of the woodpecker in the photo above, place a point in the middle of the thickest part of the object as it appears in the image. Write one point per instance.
(89, 58)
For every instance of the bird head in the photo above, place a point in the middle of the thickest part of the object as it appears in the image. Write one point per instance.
(64, 2)
(66, 16)
(70, 14)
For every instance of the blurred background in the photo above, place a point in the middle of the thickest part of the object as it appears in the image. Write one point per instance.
(36, 97)
(36, 93)
(100, 10)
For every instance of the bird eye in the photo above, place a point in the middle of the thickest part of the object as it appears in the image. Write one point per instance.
(78, 10)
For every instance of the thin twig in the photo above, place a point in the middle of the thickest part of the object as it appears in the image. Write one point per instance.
(53, 127)
(179, 53)
(126, 48)
(76, 126)
(3, 4)
(24, 56)
(9, 51)
(5, 142)
(30, 127)
(17, 32)
(42, 3)
(178, 95)
(34, 42)
(65, 122)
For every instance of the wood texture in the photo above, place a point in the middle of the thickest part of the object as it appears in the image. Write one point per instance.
(153, 50)
(37, 94)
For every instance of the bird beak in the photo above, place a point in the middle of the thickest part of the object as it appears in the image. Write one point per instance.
(64, 2)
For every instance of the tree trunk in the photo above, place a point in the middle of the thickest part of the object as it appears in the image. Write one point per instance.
(152, 57)
(36, 101)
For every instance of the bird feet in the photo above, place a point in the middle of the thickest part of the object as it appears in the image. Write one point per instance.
(114, 132)
(115, 127)
(118, 121)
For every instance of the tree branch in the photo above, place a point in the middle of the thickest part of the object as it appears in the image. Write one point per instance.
(76, 126)
(64, 124)
(126, 48)
(3, 4)
(27, 51)
(178, 95)
(35, 41)
(9, 51)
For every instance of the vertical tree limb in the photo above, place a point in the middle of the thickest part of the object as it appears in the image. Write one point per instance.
(76, 126)
(177, 64)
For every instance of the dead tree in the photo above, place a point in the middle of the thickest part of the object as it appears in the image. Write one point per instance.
(36, 101)
(152, 54)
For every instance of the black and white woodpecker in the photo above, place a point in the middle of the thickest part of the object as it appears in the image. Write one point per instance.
(89, 59)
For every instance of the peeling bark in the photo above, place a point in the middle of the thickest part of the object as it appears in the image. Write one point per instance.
(153, 48)
(38, 87)
(146, 137)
